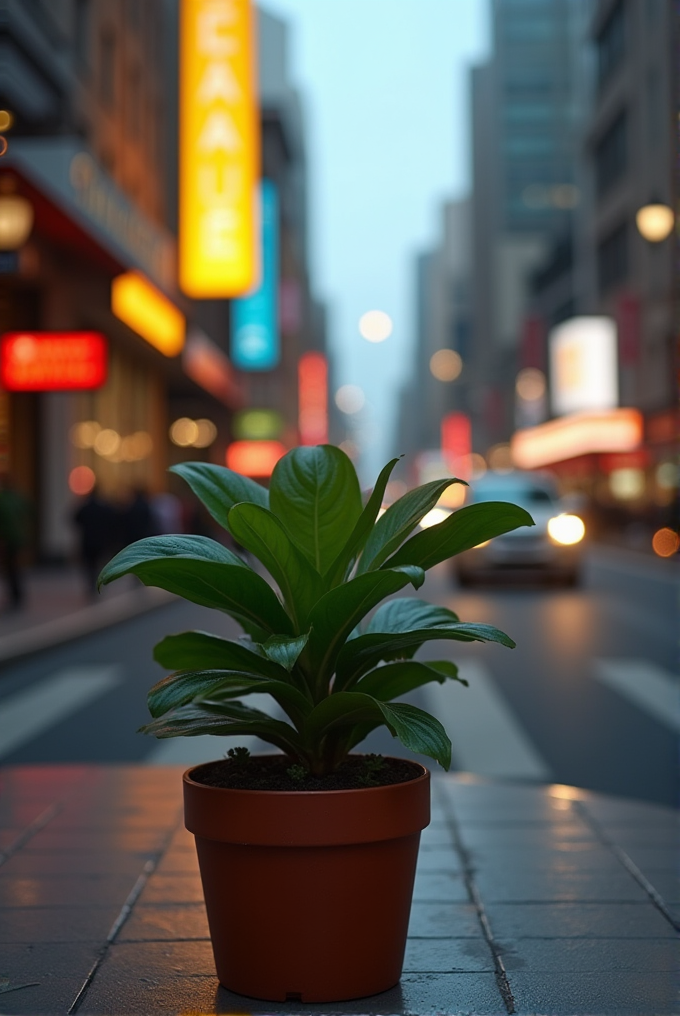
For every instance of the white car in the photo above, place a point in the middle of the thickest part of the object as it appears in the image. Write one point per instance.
(551, 547)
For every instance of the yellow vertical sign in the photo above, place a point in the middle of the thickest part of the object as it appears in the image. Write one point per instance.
(219, 149)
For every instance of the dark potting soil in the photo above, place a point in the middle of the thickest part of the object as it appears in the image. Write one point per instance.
(273, 772)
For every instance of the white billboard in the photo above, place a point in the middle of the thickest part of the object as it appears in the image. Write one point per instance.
(583, 365)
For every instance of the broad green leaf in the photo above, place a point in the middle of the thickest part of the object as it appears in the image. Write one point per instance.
(178, 689)
(220, 488)
(400, 518)
(396, 679)
(362, 529)
(292, 701)
(285, 651)
(415, 728)
(263, 535)
(340, 610)
(464, 529)
(314, 491)
(227, 719)
(418, 731)
(198, 650)
(234, 589)
(361, 654)
(163, 547)
(408, 613)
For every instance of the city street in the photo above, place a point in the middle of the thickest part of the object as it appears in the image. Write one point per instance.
(588, 697)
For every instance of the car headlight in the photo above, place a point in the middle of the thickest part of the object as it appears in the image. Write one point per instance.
(566, 529)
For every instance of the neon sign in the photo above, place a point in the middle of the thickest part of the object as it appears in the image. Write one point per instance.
(52, 361)
(219, 149)
(254, 317)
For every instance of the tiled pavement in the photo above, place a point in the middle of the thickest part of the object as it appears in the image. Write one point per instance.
(534, 900)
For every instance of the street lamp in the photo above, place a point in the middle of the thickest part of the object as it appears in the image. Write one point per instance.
(655, 222)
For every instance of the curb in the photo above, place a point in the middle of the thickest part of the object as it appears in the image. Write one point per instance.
(85, 621)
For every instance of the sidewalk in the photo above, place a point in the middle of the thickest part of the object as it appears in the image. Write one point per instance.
(528, 900)
(57, 609)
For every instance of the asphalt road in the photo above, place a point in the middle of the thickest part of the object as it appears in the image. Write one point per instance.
(588, 698)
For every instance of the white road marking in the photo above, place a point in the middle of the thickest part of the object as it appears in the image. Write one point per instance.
(191, 751)
(654, 690)
(26, 714)
(486, 736)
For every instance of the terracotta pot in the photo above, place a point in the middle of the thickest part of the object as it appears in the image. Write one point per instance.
(308, 893)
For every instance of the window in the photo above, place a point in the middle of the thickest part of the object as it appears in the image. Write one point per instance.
(611, 44)
(611, 154)
(107, 69)
(612, 258)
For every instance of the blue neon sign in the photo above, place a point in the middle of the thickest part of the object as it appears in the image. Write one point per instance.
(254, 318)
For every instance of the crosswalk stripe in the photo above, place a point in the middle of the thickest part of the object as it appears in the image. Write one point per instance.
(646, 685)
(191, 751)
(26, 714)
(487, 738)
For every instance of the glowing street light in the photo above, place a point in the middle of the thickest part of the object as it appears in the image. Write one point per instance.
(655, 222)
(375, 326)
(350, 399)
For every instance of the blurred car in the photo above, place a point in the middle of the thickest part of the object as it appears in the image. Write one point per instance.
(552, 547)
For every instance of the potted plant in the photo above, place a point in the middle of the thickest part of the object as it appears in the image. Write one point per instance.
(308, 857)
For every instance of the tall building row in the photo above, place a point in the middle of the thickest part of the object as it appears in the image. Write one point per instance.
(89, 103)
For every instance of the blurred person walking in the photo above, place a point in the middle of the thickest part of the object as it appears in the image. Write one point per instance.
(137, 519)
(96, 521)
(166, 509)
(15, 514)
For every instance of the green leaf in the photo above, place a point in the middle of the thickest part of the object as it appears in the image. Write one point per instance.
(227, 719)
(285, 651)
(220, 488)
(396, 679)
(314, 491)
(162, 548)
(362, 529)
(236, 590)
(198, 650)
(178, 689)
(340, 610)
(292, 701)
(400, 518)
(361, 654)
(408, 613)
(260, 532)
(464, 529)
(416, 729)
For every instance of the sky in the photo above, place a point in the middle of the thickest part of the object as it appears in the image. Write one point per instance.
(384, 86)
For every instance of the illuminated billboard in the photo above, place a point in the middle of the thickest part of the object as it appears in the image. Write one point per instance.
(254, 458)
(145, 310)
(313, 399)
(52, 361)
(583, 365)
(218, 149)
(457, 444)
(614, 430)
(254, 318)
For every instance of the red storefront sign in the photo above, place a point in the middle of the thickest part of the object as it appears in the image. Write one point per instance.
(52, 361)
(457, 443)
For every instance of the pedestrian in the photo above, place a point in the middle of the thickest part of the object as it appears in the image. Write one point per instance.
(15, 517)
(166, 509)
(136, 519)
(95, 519)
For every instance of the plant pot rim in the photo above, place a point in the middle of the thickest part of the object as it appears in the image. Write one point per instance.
(188, 778)
(307, 817)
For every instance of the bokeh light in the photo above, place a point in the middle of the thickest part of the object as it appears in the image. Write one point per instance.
(665, 542)
(499, 458)
(84, 435)
(375, 325)
(81, 480)
(350, 399)
(107, 442)
(655, 222)
(446, 365)
(183, 432)
(530, 384)
(6, 119)
(207, 432)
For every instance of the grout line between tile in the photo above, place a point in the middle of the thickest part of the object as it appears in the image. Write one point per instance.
(125, 911)
(468, 875)
(627, 862)
(35, 826)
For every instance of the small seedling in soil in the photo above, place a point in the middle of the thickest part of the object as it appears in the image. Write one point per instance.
(373, 767)
(297, 773)
(239, 756)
